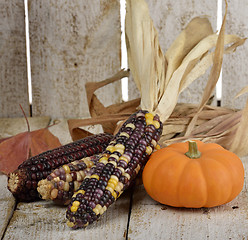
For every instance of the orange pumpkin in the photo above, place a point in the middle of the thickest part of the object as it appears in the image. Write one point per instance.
(180, 175)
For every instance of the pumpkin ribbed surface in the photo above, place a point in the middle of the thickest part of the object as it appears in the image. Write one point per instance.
(172, 178)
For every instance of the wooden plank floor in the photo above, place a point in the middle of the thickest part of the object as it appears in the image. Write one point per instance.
(134, 216)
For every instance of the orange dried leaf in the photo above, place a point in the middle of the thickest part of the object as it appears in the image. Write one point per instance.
(16, 149)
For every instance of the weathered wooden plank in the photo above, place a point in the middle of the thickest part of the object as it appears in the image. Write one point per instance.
(13, 74)
(73, 42)
(170, 18)
(7, 204)
(235, 75)
(10, 127)
(151, 220)
(44, 220)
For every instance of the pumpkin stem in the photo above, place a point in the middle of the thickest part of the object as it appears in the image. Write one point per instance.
(193, 150)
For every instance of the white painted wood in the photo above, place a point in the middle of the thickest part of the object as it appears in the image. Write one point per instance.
(235, 75)
(44, 220)
(7, 204)
(73, 42)
(10, 127)
(13, 74)
(151, 220)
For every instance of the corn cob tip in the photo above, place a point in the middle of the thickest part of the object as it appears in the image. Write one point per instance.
(44, 189)
(15, 181)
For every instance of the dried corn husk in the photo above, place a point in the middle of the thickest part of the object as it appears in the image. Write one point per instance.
(161, 77)
(189, 56)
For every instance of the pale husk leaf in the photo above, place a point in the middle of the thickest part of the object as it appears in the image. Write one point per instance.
(145, 57)
(240, 141)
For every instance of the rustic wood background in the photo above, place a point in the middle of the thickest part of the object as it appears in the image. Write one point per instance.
(73, 42)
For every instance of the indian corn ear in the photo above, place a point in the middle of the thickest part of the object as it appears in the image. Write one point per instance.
(23, 181)
(120, 163)
(61, 184)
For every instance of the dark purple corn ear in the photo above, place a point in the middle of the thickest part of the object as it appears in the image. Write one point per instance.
(119, 165)
(61, 184)
(23, 181)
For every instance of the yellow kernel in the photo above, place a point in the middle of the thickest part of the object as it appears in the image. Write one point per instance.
(70, 224)
(68, 177)
(119, 187)
(137, 169)
(154, 143)
(105, 155)
(114, 156)
(97, 209)
(122, 169)
(110, 148)
(157, 146)
(103, 160)
(88, 162)
(131, 125)
(149, 115)
(114, 177)
(113, 181)
(121, 151)
(123, 158)
(148, 150)
(74, 208)
(76, 203)
(56, 179)
(82, 173)
(114, 163)
(101, 211)
(66, 168)
(80, 191)
(95, 176)
(114, 194)
(124, 134)
(98, 206)
(111, 185)
(110, 189)
(91, 164)
(76, 185)
(66, 186)
(74, 195)
(119, 146)
(156, 124)
(104, 208)
(79, 177)
(149, 121)
(54, 193)
(126, 175)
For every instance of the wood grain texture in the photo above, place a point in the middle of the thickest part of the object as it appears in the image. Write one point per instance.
(44, 220)
(151, 220)
(170, 18)
(13, 74)
(7, 204)
(73, 42)
(235, 75)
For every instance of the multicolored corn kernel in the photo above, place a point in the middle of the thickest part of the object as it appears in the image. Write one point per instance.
(23, 181)
(61, 184)
(121, 161)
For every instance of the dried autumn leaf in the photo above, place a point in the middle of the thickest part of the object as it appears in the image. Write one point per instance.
(15, 150)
